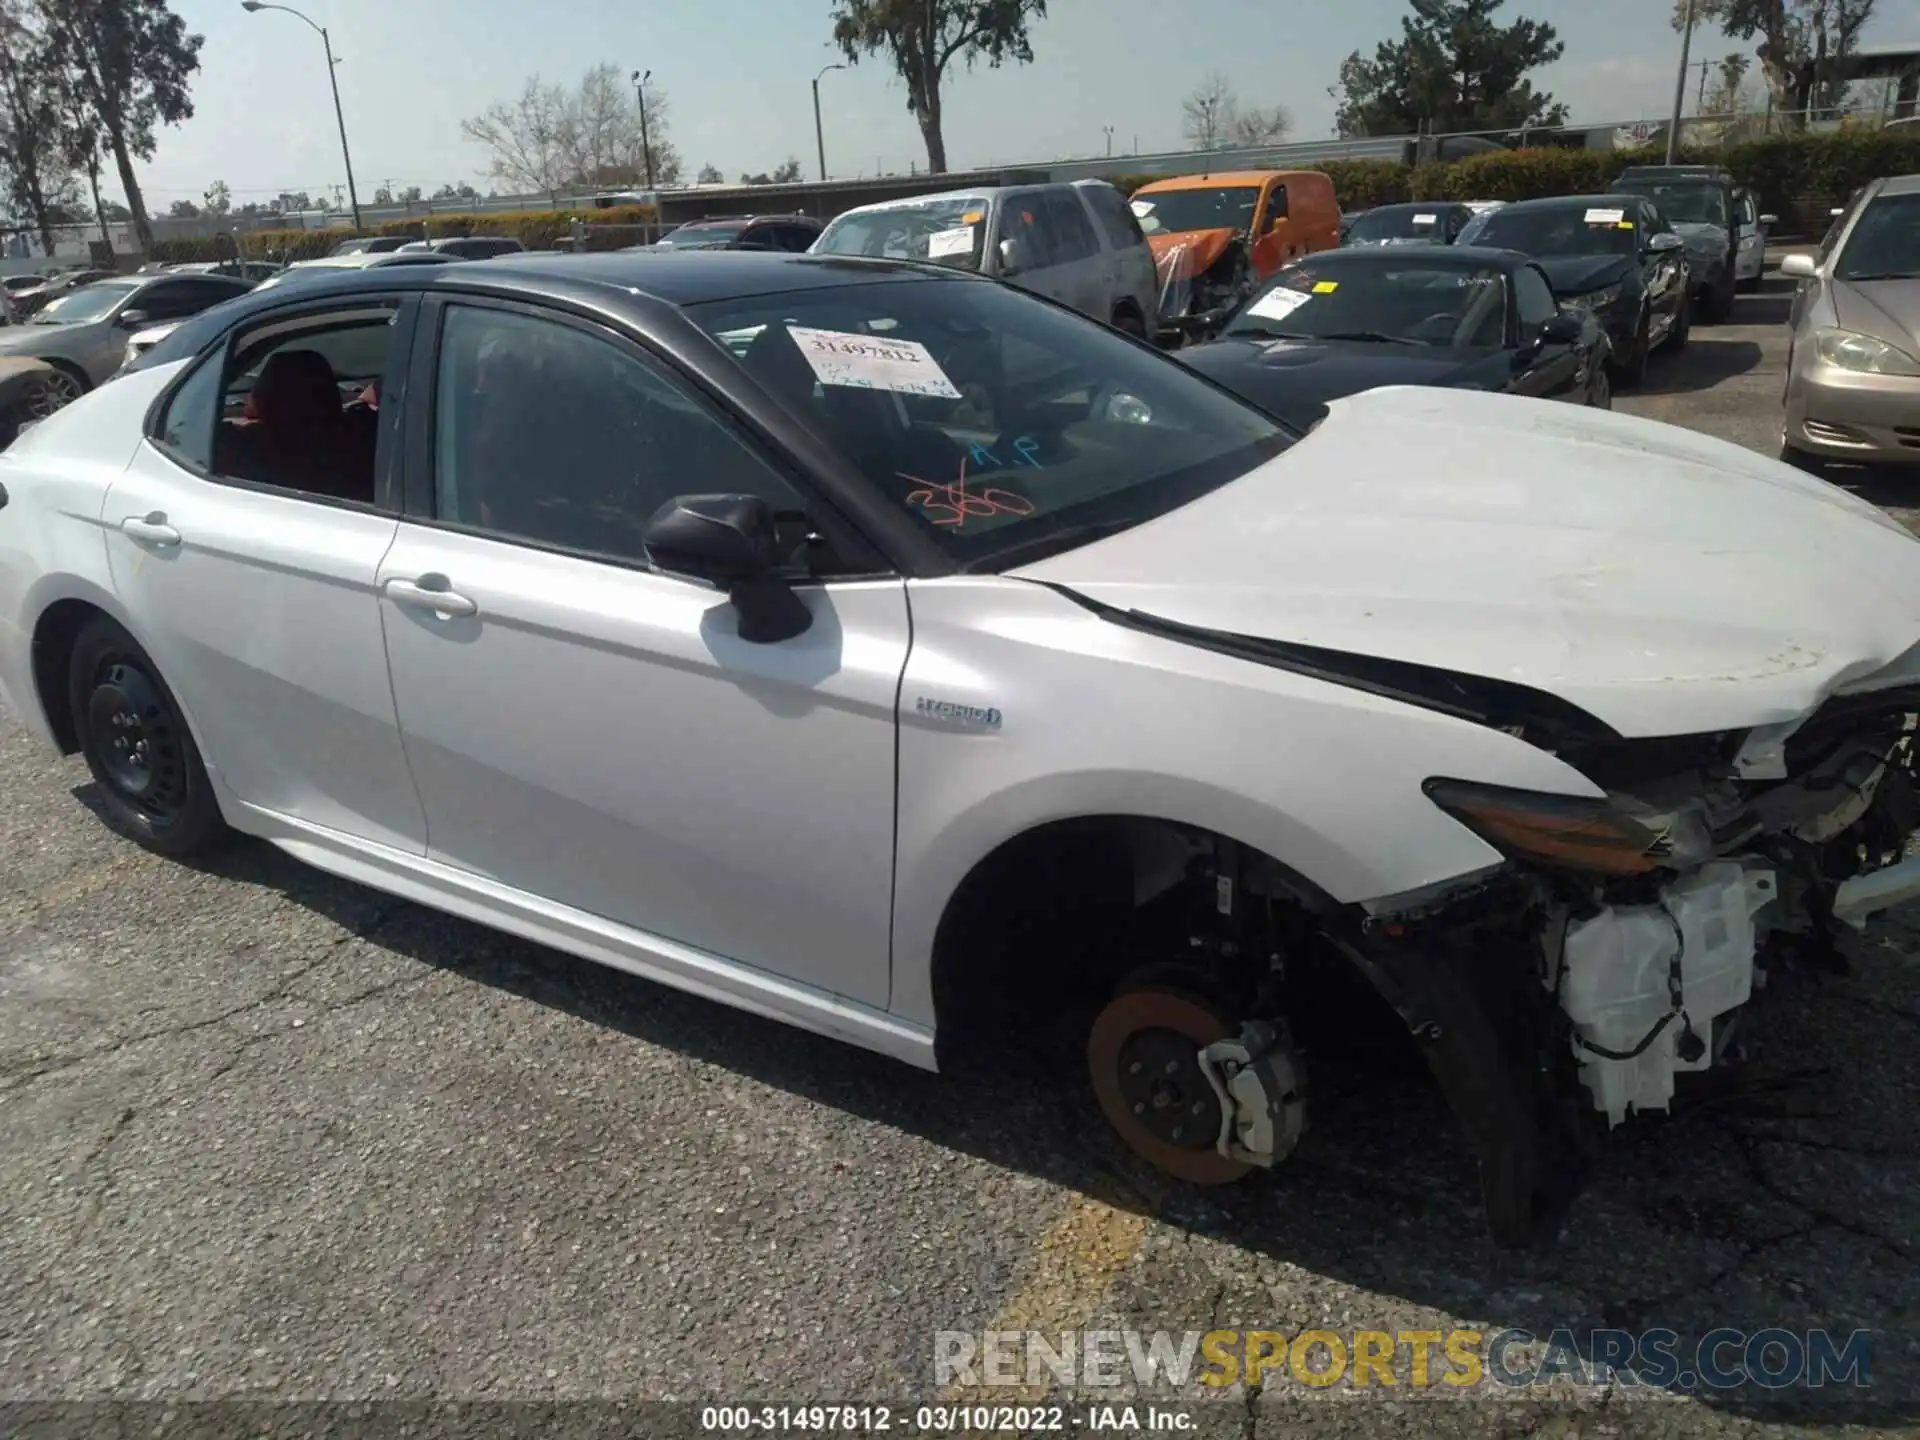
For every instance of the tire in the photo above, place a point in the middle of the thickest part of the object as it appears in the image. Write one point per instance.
(57, 391)
(1682, 327)
(137, 745)
(1600, 389)
(1632, 368)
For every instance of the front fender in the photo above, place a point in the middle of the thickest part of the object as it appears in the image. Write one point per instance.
(1092, 718)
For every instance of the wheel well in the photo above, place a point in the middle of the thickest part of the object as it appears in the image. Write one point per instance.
(1055, 913)
(68, 367)
(53, 639)
(1126, 307)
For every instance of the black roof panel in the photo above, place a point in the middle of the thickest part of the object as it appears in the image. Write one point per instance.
(693, 276)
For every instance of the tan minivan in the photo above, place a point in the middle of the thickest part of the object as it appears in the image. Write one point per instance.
(1215, 237)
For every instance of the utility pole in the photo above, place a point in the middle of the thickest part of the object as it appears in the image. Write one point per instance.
(1108, 131)
(820, 135)
(1700, 102)
(640, 79)
(1680, 83)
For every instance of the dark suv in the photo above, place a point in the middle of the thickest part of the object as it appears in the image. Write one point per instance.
(792, 233)
(1705, 208)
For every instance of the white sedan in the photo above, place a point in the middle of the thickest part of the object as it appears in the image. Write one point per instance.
(921, 653)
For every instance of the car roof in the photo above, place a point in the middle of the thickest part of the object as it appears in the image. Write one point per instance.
(1675, 172)
(1463, 256)
(1901, 185)
(1415, 205)
(1209, 182)
(1569, 202)
(694, 277)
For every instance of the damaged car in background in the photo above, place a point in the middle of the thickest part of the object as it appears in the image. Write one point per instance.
(1558, 730)
(1215, 237)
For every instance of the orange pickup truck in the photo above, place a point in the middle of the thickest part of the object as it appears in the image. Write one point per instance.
(1214, 237)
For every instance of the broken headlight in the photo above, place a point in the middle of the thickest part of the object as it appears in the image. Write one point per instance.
(1561, 832)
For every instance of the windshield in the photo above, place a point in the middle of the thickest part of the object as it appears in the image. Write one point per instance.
(89, 302)
(1412, 303)
(1006, 427)
(1688, 203)
(1885, 244)
(1169, 212)
(946, 230)
(1579, 229)
(701, 237)
(1398, 222)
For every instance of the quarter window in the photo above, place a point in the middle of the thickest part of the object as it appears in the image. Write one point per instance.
(553, 434)
(187, 428)
(1117, 221)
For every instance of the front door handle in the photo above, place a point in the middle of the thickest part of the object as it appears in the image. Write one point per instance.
(153, 529)
(445, 603)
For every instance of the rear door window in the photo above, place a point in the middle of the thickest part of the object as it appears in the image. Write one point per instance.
(1116, 219)
(1071, 231)
(1023, 218)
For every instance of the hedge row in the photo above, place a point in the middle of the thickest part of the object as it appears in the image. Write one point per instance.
(535, 229)
(1800, 174)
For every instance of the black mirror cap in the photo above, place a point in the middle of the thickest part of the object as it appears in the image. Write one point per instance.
(1562, 329)
(721, 538)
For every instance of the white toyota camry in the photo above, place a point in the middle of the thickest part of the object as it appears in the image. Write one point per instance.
(879, 648)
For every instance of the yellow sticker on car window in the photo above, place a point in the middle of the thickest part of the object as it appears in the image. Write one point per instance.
(972, 217)
(1626, 224)
(1325, 287)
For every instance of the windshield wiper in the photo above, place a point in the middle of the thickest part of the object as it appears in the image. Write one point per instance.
(1263, 332)
(1378, 337)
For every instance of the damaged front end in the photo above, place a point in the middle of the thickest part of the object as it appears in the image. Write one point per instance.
(1201, 286)
(1619, 944)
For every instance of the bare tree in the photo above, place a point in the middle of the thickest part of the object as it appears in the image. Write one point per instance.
(1206, 116)
(527, 139)
(1254, 126)
(602, 129)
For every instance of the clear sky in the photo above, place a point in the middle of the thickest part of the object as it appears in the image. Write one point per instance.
(736, 75)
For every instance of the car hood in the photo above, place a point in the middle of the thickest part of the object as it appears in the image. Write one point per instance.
(1664, 582)
(1186, 253)
(1700, 236)
(1577, 274)
(1886, 309)
(1298, 379)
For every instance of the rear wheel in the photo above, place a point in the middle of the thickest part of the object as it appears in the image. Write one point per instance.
(56, 390)
(1600, 389)
(137, 745)
(1682, 328)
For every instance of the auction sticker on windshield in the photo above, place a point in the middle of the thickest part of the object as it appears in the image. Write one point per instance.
(1279, 303)
(862, 362)
(1605, 217)
(957, 241)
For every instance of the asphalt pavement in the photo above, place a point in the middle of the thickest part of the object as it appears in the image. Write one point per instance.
(269, 1135)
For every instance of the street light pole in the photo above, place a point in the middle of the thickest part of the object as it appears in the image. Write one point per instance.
(346, 155)
(820, 135)
(1680, 83)
(640, 79)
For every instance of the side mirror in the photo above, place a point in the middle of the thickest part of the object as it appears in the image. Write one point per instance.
(1665, 243)
(132, 319)
(729, 541)
(1799, 267)
(1013, 256)
(1562, 329)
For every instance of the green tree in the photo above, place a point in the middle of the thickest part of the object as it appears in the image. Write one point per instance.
(923, 37)
(34, 173)
(129, 61)
(1452, 69)
(710, 175)
(788, 171)
(1805, 47)
(218, 201)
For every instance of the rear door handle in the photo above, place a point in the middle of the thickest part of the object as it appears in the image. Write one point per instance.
(153, 529)
(444, 603)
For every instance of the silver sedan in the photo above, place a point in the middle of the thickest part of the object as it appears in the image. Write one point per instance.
(83, 334)
(1853, 372)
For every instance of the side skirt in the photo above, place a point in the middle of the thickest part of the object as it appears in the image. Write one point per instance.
(501, 907)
